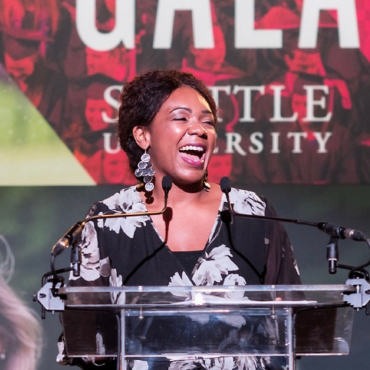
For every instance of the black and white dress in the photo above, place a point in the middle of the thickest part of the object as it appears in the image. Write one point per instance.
(130, 252)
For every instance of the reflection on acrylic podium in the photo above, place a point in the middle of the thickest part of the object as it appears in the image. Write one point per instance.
(273, 323)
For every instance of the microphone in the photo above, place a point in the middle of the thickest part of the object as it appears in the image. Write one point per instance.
(74, 233)
(68, 238)
(166, 185)
(330, 229)
(226, 188)
(334, 231)
(342, 232)
(225, 185)
(332, 254)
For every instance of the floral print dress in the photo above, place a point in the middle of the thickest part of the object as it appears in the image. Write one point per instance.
(130, 252)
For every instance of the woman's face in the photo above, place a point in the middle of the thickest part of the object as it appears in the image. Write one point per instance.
(213, 57)
(94, 111)
(182, 137)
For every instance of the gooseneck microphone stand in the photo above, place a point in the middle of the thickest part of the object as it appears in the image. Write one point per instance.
(72, 239)
(356, 273)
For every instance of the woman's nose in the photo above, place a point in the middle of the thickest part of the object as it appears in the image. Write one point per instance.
(196, 128)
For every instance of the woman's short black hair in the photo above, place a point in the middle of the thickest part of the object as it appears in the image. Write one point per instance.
(142, 98)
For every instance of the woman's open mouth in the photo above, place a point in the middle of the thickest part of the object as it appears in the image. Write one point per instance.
(193, 154)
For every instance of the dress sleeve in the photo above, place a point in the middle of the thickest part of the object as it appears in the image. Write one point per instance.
(95, 265)
(94, 271)
(281, 266)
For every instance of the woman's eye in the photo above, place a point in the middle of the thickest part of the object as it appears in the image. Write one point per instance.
(179, 119)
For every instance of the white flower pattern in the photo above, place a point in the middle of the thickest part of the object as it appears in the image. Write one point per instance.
(234, 279)
(215, 264)
(214, 268)
(223, 363)
(115, 281)
(91, 266)
(247, 202)
(130, 243)
(128, 201)
(249, 363)
(176, 280)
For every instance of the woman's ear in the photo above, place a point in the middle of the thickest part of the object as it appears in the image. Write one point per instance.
(141, 136)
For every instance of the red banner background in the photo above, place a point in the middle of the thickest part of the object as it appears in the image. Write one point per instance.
(291, 114)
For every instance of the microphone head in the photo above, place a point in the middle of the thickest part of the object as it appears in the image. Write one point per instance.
(166, 184)
(225, 185)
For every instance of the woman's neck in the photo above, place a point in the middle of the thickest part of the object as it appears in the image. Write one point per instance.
(179, 195)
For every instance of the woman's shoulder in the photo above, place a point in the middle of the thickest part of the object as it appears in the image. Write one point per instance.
(240, 194)
(127, 199)
(247, 202)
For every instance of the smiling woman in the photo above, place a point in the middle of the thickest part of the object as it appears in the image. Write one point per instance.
(167, 127)
(181, 137)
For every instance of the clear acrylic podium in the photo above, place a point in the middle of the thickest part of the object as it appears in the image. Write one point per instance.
(278, 322)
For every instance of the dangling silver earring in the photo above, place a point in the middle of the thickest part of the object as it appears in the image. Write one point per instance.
(146, 171)
(2, 356)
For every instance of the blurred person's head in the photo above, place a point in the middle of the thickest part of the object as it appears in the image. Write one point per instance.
(40, 16)
(212, 58)
(113, 63)
(20, 332)
(303, 61)
(20, 58)
(116, 169)
(96, 107)
(298, 60)
(94, 110)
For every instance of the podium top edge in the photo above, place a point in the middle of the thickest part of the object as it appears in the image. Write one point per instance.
(215, 288)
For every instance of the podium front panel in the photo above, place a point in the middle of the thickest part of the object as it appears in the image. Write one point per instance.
(275, 321)
(151, 333)
(221, 333)
(91, 333)
(323, 331)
